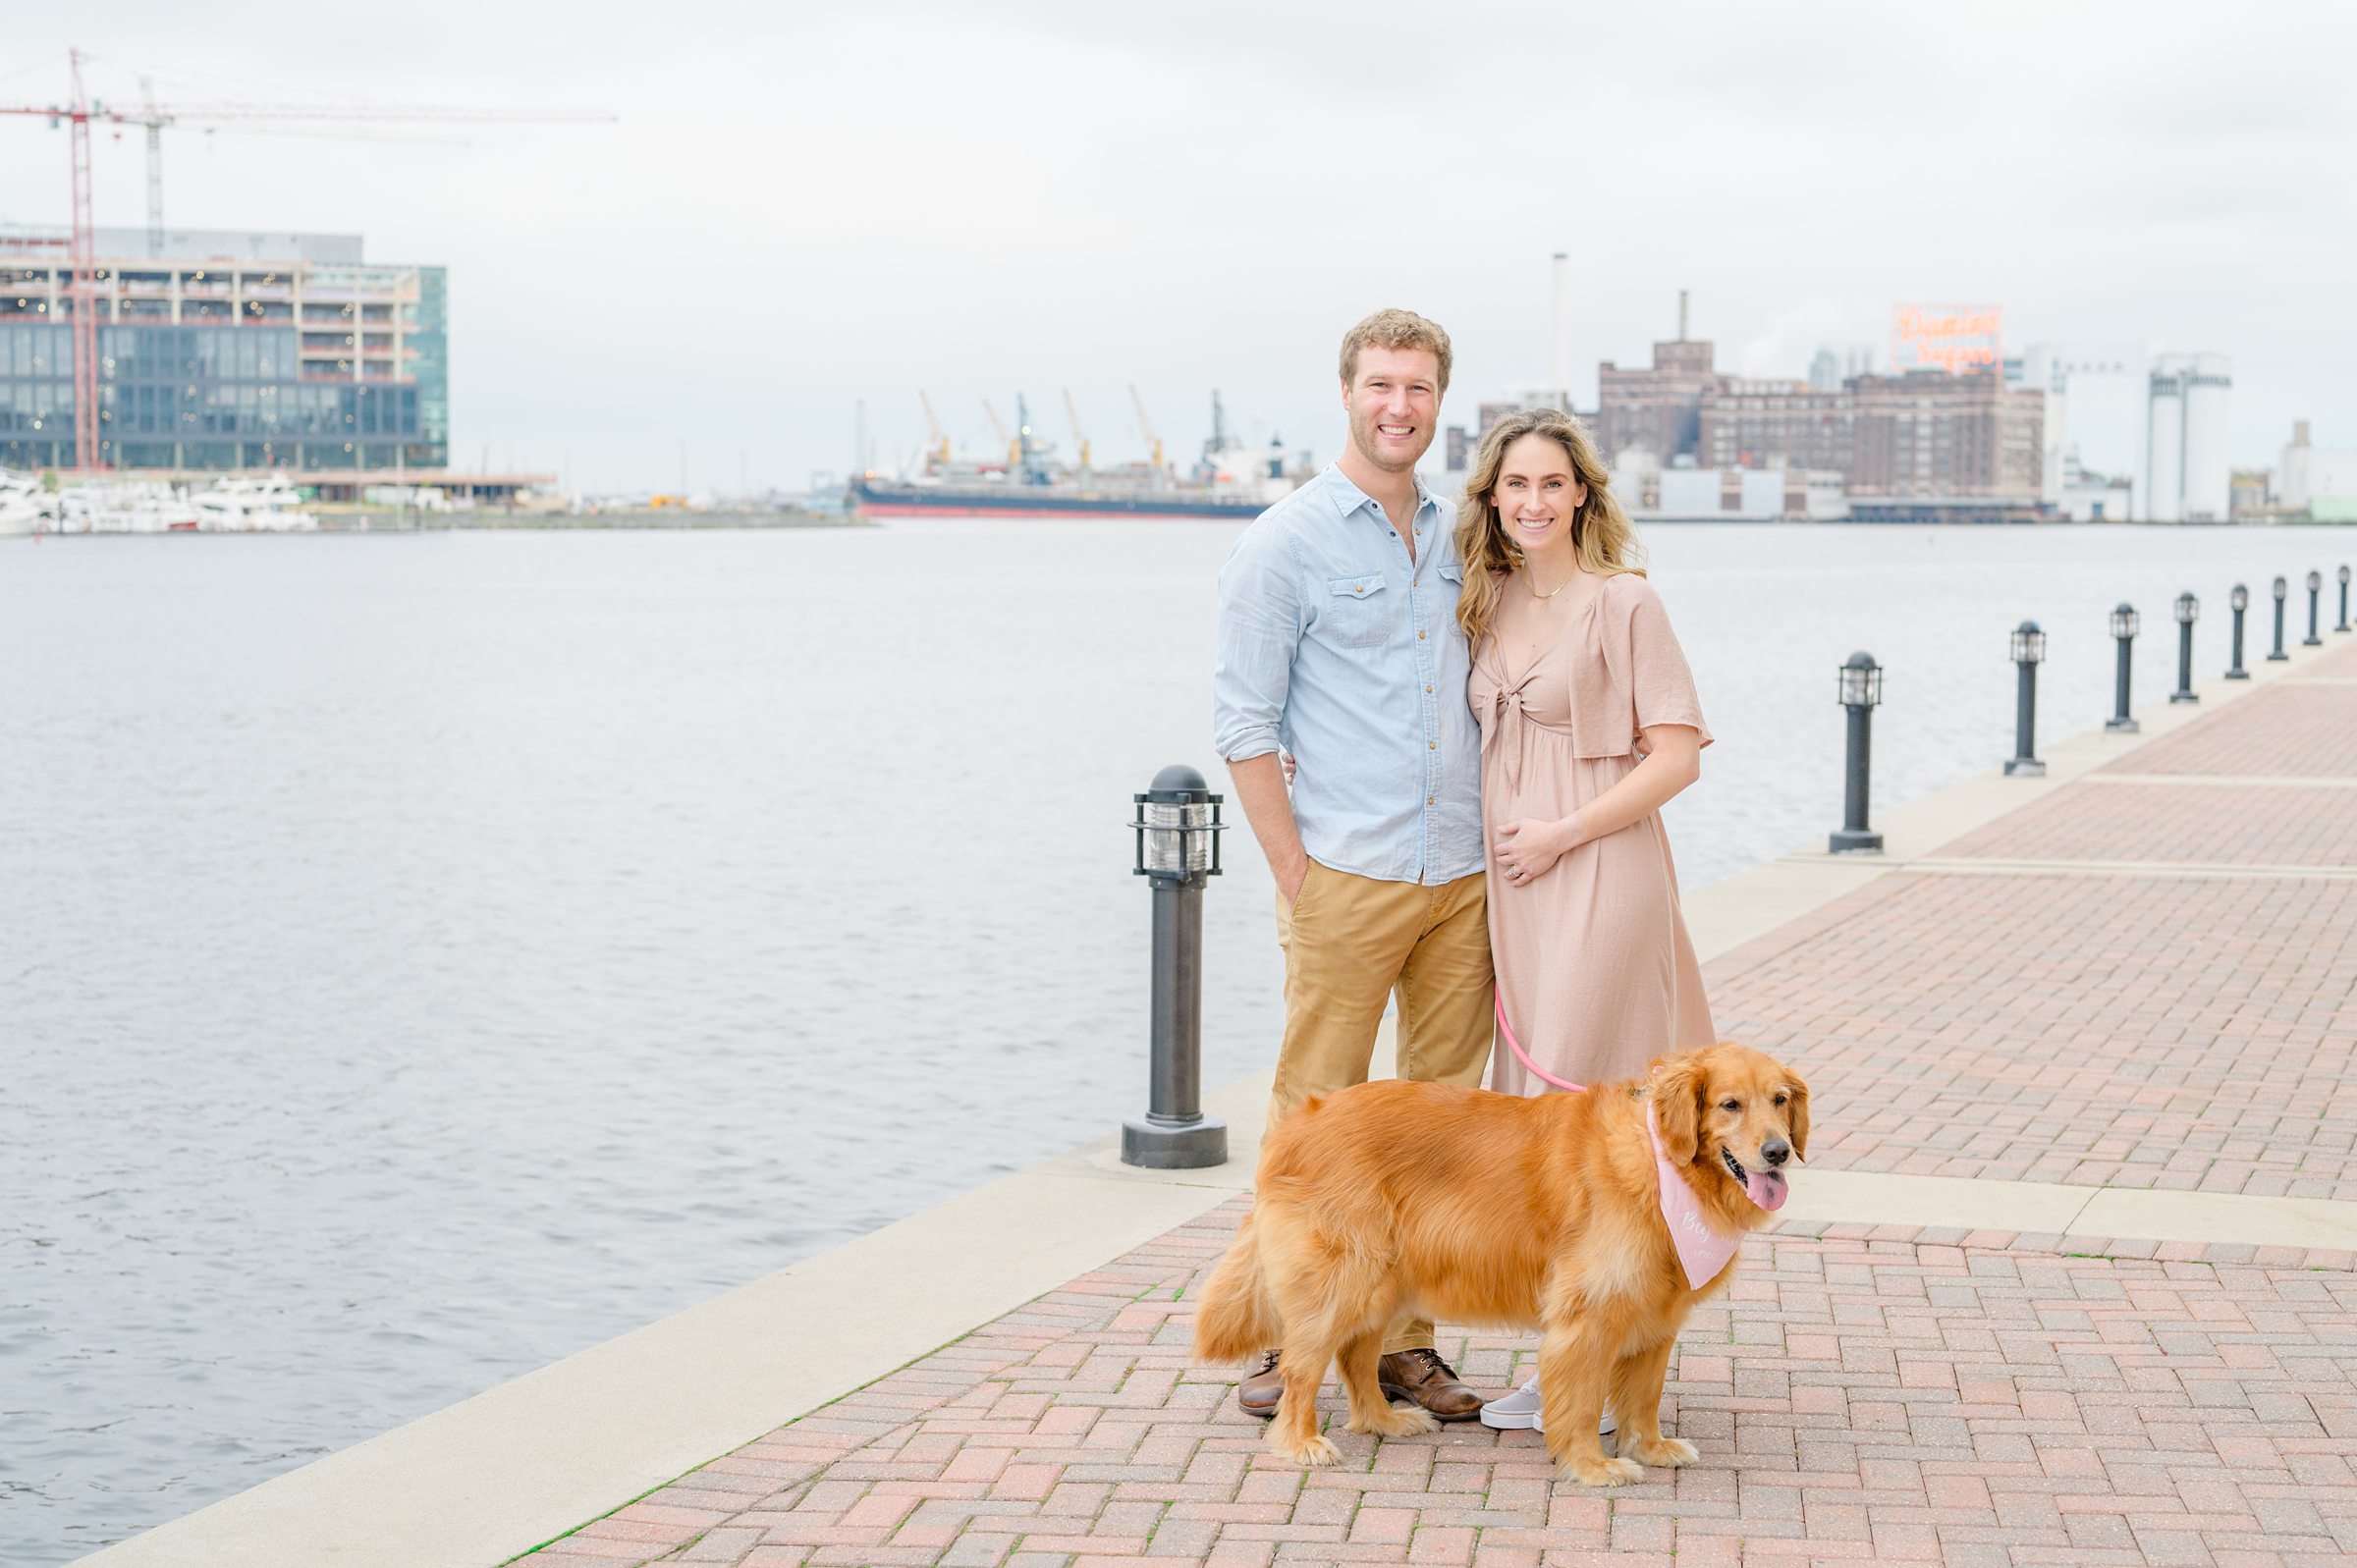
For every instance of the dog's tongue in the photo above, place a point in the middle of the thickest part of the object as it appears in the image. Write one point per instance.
(1768, 1188)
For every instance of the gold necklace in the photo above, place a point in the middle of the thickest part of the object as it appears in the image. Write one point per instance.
(1531, 584)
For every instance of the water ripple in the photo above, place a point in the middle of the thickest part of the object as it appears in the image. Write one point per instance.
(428, 956)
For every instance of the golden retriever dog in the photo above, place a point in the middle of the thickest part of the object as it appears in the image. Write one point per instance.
(1492, 1210)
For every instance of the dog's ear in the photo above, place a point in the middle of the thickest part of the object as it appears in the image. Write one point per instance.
(1677, 1089)
(1797, 1112)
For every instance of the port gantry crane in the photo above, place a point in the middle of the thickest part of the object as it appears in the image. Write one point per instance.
(81, 109)
(1079, 435)
(1014, 452)
(1147, 425)
(940, 449)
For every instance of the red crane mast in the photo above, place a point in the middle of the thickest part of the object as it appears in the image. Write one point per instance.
(81, 109)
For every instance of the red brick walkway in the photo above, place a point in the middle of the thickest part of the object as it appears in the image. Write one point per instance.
(2127, 1029)
(2227, 823)
(1863, 1396)
(1941, 1398)
(2190, 1033)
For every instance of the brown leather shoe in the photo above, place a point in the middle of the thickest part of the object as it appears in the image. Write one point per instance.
(1422, 1377)
(1262, 1387)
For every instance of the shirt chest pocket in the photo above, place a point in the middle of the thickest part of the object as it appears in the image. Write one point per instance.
(1358, 614)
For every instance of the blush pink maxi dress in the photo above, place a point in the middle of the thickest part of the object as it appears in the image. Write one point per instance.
(1595, 968)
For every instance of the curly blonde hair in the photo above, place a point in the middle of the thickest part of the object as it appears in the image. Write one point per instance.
(1601, 535)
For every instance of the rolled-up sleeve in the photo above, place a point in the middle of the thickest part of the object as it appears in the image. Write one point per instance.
(1260, 631)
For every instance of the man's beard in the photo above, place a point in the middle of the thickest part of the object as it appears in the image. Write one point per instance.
(1365, 438)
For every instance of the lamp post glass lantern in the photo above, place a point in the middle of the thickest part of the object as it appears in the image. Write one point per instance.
(2239, 601)
(2282, 588)
(1177, 828)
(1861, 682)
(1177, 838)
(2124, 624)
(2315, 592)
(2028, 652)
(2189, 609)
(1861, 693)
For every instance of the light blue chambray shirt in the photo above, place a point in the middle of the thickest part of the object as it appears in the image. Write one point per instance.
(1338, 647)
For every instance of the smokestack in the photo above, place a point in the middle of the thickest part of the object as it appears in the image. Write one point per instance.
(1559, 355)
(1681, 316)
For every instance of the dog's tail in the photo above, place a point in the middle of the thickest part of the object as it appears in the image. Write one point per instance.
(1235, 1318)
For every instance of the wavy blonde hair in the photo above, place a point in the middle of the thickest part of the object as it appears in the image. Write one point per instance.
(1397, 330)
(1601, 535)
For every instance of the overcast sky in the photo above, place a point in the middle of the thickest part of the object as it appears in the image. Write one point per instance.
(803, 205)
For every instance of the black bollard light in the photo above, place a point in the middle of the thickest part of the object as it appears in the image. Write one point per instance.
(2189, 609)
(2282, 588)
(1178, 831)
(2240, 599)
(2315, 593)
(1861, 694)
(2028, 652)
(2344, 598)
(2124, 632)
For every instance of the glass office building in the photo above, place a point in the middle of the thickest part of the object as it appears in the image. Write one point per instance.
(254, 352)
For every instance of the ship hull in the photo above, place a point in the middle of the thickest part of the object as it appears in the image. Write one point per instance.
(872, 500)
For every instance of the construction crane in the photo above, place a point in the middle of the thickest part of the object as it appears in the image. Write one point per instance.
(81, 109)
(155, 122)
(940, 449)
(1147, 425)
(1014, 451)
(1078, 434)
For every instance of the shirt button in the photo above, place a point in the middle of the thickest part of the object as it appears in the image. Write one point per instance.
(1436, 745)
(1419, 636)
(1428, 689)
(1431, 801)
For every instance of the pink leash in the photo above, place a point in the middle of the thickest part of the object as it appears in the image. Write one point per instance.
(1522, 1056)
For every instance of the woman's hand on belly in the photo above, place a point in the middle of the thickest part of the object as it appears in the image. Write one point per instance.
(1527, 847)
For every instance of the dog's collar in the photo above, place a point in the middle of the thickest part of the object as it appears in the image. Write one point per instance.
(1701, 1250)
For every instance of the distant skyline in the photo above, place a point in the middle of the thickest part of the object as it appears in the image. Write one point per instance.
(811, 205)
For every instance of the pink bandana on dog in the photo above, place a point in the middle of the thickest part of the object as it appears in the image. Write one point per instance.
(1702, 1250)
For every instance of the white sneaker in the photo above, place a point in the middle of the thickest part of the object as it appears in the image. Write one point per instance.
(1514, 1412)
(1520, 1411)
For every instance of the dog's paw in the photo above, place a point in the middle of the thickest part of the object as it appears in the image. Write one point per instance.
(1316, 1450)
(1666, 1451)
(1601, 1472)
(1398, 1420)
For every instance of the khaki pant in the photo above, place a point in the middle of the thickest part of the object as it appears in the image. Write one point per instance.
(1351, 941)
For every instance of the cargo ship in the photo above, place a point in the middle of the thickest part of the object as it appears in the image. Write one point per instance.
(1230, 481)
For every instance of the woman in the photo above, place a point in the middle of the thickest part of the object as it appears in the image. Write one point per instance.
(1589, 724)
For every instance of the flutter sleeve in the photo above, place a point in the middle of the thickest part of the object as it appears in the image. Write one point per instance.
(1660, 680)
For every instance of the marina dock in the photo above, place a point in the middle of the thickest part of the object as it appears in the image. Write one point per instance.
(2069, 1278)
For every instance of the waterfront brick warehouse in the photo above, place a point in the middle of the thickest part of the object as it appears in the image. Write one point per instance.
(2131, 1001)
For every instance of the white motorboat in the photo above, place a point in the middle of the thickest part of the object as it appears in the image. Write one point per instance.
(24, 506)
(124, 505)
(244, 503)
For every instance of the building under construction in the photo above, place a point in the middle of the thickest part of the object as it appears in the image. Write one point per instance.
(222, 351)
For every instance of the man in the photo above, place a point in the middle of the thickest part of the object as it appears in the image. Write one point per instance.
(1339, 643)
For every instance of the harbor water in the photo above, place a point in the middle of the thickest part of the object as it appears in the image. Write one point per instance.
(430, 955)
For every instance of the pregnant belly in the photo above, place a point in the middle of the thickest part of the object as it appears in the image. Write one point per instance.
(1551, 787)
